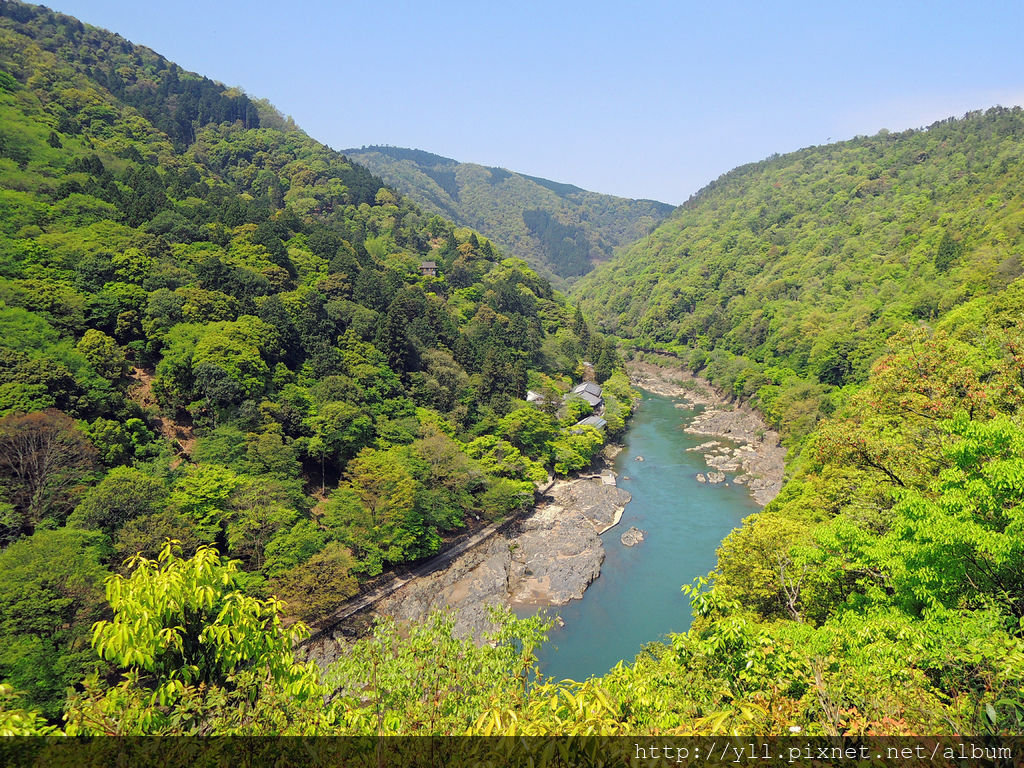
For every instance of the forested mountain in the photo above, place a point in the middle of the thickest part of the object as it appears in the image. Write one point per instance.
(867, 297)
(216, 330)
(559, 229)
(785, 279)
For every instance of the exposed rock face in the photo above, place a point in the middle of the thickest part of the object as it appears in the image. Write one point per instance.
(599, 502)
(549, 559)
(555, 557)
(632, 537)
(476, 579)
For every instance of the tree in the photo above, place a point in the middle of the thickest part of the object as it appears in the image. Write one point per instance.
(124, 494)
(340, 430)
(197, 656)
(374, 510)
(948, 251)
(44, 458)
(103, 354)
(315, 588)
(202, 496)
(425, 679)
(53, 592)
(530, 430)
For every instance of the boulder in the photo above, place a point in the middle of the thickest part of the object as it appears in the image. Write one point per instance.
(632, 537)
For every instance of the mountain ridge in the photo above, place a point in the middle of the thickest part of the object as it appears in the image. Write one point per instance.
(559, 228)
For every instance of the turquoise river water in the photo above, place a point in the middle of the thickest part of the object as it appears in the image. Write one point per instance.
(637, 597)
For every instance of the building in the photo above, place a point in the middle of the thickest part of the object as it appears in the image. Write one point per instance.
(428, 268)
(591, 421)
(590, 392)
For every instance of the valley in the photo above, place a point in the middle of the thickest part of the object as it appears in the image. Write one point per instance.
(278, 423)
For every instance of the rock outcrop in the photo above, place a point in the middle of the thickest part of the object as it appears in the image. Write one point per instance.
(632, 537)
(548, 559)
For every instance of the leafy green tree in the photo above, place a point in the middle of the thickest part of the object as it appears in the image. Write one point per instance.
(271, 453)
(258, 509)
(146, 536)
(103, 354)
(313, 589)
(500, 458)
(963, 547)
(121, 442)
(374, 510)
(340, 430)
(426, 679)
(54, 594)
(947, 252)
(293, 546)
(203, 496)
(503, 496)
(530, 430)
(125, 493)
(574, 450)
(197, 656)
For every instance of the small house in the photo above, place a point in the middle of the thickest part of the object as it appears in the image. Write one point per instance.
(590, 392)
(428, 268)
(591, 421)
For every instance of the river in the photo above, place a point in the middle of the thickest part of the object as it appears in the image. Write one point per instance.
(637, 598)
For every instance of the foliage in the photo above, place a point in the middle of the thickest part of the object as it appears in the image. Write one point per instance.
(426, 680)
(559, 229)
(195, 653)
(54, 594)
(44, 458)
(783, 280)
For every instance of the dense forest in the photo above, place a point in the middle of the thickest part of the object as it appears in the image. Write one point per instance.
(217, 331)
(784, 280)
(559, 229)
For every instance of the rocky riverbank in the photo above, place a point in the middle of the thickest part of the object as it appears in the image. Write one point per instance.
(548, 559)
(752, 450)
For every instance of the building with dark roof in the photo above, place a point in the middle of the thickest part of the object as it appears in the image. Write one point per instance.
(590, 392)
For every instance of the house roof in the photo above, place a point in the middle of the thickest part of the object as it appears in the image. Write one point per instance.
(428, 265)
(592, 421)
(589, 387)
(594, 400)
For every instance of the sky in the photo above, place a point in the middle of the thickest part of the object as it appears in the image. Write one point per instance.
(641, 99)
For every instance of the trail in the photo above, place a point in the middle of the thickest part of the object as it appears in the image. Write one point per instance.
(179, 434)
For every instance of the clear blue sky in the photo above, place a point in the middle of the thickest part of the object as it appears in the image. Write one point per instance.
(646, 99)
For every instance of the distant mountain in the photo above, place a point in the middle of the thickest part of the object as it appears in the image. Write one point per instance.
(558, 228)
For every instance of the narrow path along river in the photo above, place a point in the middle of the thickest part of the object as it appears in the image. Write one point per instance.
(637, 598)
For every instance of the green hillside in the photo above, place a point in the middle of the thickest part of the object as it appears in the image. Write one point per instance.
(559, 229)
(867, 297)
(793, 273)
(215, 329)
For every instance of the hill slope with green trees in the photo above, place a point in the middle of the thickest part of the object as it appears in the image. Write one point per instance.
(784, 279)
(215, 329)
(559, 229)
